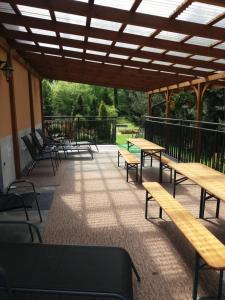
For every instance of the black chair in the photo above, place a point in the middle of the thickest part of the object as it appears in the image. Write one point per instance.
(14, 199)
(84, 272)
(36, 157)
(44, 149)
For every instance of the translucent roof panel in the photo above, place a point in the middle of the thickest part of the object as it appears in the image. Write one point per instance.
(163, 8)
(179, 54)
(99, 41)
(201, 13)
(221, 23)
(131, 67)
(118, 56)
(86, 1)
(140, 59)
(75, 58)
(6, 8)
(139, 30)
(159, 62)
(170, 36)
(220, 46)
(72, 49)
(220, 61)
(49, 45)
(182, 66)
(202, 57)
(154, 50)
(124, 4)
(15, 27)
(71, 36)
(126, 45)
(25, 42)
(200, 41)
(70, 18)
(96, 52)
(93, 61)
(110, 64)
(107, 25)
(34, 12)
(152, 70)
(204, 69)
(55, 55)
(167, 72)
(42, 31)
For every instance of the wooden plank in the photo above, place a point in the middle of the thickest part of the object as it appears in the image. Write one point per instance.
(202, 240)
(130, 158)
(145, 144)
(206, 177)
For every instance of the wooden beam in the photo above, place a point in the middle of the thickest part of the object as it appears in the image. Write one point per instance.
(185, 84)
(41, 103)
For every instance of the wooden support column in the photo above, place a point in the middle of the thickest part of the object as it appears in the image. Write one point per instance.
(150, 112)
(41, 103)
(168, 94)
(200, 90)
(31, 101)
(16, 149)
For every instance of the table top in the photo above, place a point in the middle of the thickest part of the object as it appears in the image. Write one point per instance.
(145, 144)
(211, 180)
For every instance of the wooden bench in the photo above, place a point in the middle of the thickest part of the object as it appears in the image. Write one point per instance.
(209, 250)
(131, 161)
(164, 161)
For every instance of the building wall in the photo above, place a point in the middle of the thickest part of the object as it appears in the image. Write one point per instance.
(23, 117)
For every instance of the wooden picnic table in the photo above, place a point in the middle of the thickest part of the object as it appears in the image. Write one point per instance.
(212, 182)
(146, 146)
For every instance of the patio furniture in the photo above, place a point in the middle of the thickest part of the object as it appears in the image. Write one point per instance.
(25, 200)
(82, 271)
(36, 157)
(210, 252)
(131, 161)
(146, 146)
(210, 181)
(44, 149)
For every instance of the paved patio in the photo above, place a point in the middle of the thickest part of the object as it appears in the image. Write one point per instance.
(94, 205)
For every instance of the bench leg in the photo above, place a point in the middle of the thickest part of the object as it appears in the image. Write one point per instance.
(127, 171)
(217, 208)
(118, 159)
(146, 205)
(174, 183)
(137, 172)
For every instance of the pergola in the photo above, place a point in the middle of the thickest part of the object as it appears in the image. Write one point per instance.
(147, 45)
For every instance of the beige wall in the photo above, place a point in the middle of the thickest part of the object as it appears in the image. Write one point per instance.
(5, 114)
(21, 88)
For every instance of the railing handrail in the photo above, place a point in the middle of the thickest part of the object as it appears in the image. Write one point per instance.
(80, 117)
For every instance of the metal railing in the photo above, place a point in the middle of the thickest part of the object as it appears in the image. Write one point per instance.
(99, 130)
(188, 140)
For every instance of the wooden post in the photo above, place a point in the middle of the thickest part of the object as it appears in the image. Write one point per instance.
(200, 90)
(31, 101)
(168, 94)
(41, 103)
(16, 149)
(150, 112)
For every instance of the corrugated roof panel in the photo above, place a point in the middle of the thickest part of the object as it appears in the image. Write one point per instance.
(202, 57)
(34, 12)
(204, 69)
(159, 62)
(221, 23)
(43, 32)
(154, 50)
(126, 45)
(163, 8)
(124, 4)
(72, 49)
(118, 56)
(107, 25)
(170, 36)
(182, 66)
(6, 8)
(96, 52)
(140, 59)
(179, 54)
(48, 45)
(70, 18)
(200, 41)
(220, 46)
(25, 42)
(201, 13)
(99, 41)
(14, 27)
(139, 30)
(220, 61)
(71, 36)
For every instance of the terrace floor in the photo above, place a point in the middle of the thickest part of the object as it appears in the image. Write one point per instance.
(94, 205)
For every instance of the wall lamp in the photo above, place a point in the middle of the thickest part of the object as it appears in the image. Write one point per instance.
(6, 69)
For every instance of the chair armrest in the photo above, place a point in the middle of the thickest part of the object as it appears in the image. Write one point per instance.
(29, 224)
(16, 182)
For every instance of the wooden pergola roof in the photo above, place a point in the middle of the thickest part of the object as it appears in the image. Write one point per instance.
(136, 44)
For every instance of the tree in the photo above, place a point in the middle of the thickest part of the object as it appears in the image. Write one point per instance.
(47, 97)
(102, 110)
